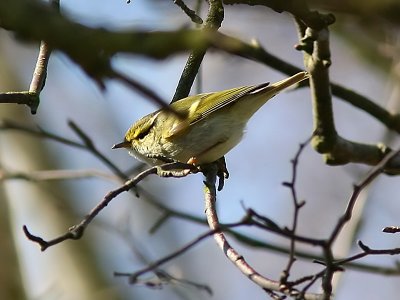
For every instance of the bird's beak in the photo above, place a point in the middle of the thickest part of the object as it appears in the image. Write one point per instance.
(124, 144)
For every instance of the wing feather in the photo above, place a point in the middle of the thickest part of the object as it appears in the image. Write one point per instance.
(203, 105)
(215, 101)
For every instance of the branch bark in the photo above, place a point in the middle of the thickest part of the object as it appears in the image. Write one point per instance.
(236, 258)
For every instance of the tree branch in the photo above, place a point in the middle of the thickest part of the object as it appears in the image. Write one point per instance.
(77, 231)
(31, 98)
(297, 204)
(237, 259)
(335, 149)
(213, 22)
(298, 8)
(189, 12)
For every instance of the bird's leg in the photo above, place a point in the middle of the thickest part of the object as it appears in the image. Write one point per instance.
(222, 171)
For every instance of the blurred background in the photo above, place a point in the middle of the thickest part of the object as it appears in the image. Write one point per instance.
(364, 59)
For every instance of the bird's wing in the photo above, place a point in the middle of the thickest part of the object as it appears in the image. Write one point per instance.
(203, 105)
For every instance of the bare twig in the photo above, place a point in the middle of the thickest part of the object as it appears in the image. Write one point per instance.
(76, 231)
(391, 229)
(237, 259)
(31, 98)
(298, 8)
(26, 98)
(256, 243)
(47, 175)
(139, 87)
(372, 175)
(38, 132)
(266, 223)
(368, 251)
(133, 277)
(297, 206)
(190, 13)
(161, 277)
(329, 261)
(40, 72)
(87, 144)
(90, 146)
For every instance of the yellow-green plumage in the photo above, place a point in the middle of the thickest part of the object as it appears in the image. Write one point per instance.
(210, 126)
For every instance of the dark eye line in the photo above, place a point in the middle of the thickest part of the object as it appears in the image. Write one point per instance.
(143, 134)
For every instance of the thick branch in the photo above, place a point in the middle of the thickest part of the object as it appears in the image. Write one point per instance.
(90, 48)
(335, 149)
(298, 8)
(317, 64)
(213, 23)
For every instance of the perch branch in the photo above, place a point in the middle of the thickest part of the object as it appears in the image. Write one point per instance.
(77, 231)
(237, 259)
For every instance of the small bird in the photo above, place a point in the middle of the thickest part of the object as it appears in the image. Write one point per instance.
(200, 129)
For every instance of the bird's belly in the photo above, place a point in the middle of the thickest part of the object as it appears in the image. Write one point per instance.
(206, 142)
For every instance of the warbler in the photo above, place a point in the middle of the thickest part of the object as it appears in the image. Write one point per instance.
(203, 128)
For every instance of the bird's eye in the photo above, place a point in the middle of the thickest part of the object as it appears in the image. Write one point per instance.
(143, 132)
(142, 128)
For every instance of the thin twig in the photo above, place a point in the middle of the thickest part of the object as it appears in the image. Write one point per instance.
(47, 175)
(87, 144)
(25, 97)
(133, 277)
(31, 98)
(368, 251)
(391, 229)
(266, 223)
(90, 146)
(162, 277)
(190, 13)
(139, 87)
(77, 231)
(372, 175)
(237, 259)
(259, 244)
(331, 266)
(296, 210)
